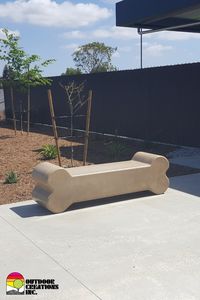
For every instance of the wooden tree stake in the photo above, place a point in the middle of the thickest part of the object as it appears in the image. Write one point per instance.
(87, 128)
(54, 125)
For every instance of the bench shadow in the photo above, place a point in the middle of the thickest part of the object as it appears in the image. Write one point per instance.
(35, 210)
(104, 201)
(30, 210)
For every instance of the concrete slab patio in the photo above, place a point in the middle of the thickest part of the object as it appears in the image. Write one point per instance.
(146, 248)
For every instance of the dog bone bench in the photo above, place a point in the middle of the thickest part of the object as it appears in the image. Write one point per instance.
(57, 188)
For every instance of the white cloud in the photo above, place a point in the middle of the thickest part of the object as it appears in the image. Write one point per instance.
(116, 33)
(104, 33)
(75, 34)
(72, 46)
(156, 49)
(51, 13)
(110, 1)
(14, 32)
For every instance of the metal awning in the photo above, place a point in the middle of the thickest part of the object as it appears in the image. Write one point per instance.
(156, 15)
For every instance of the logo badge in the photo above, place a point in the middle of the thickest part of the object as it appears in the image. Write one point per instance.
(15, 284)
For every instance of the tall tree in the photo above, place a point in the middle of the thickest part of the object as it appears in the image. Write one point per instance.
(94, 57)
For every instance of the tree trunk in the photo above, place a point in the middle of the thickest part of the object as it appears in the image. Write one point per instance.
(72, 147)
(13, 110)
(28, 110)
(21, 116)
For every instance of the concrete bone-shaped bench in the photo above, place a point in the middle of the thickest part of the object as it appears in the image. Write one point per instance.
(57, 188)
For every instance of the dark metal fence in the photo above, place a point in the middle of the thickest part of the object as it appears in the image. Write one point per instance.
(158, 104)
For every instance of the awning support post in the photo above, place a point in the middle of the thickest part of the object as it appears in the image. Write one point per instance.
(140, 32)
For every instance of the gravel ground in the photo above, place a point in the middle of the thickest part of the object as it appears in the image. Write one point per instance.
(20, 154)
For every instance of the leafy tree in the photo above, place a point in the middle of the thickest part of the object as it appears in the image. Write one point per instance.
(94, 57)
(13, 55)
(72, 71)
(8, 80)
(19, 70)
(32, 76)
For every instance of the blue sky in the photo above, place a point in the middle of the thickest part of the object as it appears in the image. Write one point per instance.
(55, 28)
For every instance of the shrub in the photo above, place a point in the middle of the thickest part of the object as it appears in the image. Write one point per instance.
(49, 151)
(11, 177)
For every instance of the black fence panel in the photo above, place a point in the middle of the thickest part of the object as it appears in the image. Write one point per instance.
(156, 104)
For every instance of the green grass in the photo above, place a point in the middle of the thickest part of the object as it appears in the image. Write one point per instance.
(48, 152)
(11, 177)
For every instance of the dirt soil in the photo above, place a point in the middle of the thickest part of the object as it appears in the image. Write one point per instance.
(21, 153)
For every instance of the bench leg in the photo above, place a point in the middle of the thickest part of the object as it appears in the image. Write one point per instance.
(157, 180)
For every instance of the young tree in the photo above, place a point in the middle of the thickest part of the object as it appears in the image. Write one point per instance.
(13, 55)
(76, 100)
(22, 70)
(94, 57)
(32, 76)
(72, 71)
(7, 81)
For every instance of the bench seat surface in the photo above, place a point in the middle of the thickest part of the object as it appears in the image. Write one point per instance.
(106, 168)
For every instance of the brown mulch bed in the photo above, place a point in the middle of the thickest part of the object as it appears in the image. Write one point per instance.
(21, 153)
